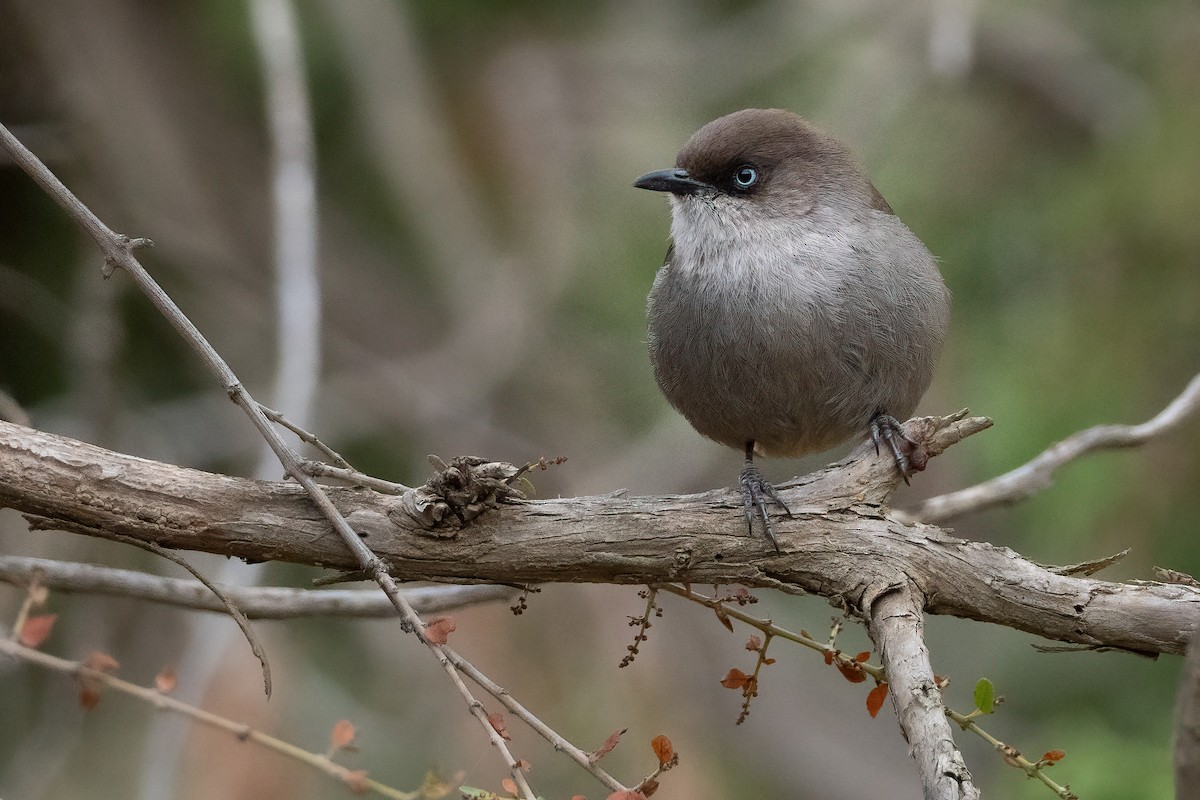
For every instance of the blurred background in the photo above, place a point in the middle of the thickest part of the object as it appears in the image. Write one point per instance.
(481, 266)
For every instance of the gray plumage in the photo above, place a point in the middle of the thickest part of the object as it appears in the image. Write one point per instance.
(791, 312)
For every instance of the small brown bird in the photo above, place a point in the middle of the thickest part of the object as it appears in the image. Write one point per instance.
(794, 310)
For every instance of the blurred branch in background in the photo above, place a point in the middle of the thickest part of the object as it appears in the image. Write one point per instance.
(257, 602)
(297, 323)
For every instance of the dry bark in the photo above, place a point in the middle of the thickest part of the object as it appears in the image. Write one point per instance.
(841, 544)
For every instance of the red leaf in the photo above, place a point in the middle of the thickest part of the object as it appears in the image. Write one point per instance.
(851, 672)
(863, 656)
(663, 749)
(753, 643)
(496, 720)
(510, 786)
(875, 698)
(828, 657)
(438, 630)
(735, 679)
(356, 779)
(342, 735)
(1053, 756)
(607, 747)
(165, 680)
(36, 629)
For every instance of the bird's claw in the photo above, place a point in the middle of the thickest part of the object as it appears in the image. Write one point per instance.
(887, 429)
(756, 491)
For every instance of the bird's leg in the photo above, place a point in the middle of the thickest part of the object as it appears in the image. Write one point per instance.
(886, 428)
(756, 490)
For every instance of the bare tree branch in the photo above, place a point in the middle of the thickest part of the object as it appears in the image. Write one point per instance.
(1034, 476)
(256, 603)
(1187, 726)
(840, 544)
(898, 630)
(243, 732)
(118, 252)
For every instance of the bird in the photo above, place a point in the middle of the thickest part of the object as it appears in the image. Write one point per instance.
(794, 310)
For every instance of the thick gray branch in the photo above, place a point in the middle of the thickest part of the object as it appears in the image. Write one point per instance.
(898, 630)
(841, 542)
(1187, 727)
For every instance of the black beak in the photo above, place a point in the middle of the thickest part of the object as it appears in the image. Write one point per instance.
(675, 181)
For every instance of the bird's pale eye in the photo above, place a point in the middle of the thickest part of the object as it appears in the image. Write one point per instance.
(745, 176)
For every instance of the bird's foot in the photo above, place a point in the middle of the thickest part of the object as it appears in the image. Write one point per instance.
(756, 491)
(888, 430)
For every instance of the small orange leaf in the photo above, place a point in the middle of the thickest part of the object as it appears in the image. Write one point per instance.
(356, 779)
(1053, 756)
(828, 657)
(607, 747)
(36, 629)
(851, 672)
(863, 656)
(875, 698)
(768, 661)
(342, 734)
(735, 679)
(753, 643)
(510, 786)
(438, 630)
(663, 749)
(496, 720)
(165, 680)
(523, 765)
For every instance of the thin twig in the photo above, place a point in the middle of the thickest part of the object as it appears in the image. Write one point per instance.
(525, 715)
(118, 252)
(241, 731)
(1035, 475)
(261, 602)
(1011, 755)
(352, 476)
(836, 657)
(305, 436)
(238, 617)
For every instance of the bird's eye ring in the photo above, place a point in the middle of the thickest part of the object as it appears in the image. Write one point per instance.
(745, 176)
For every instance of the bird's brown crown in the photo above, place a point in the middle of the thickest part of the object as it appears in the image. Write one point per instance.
(786, 150)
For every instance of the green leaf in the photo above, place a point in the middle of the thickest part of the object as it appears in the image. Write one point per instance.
(985, 696)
